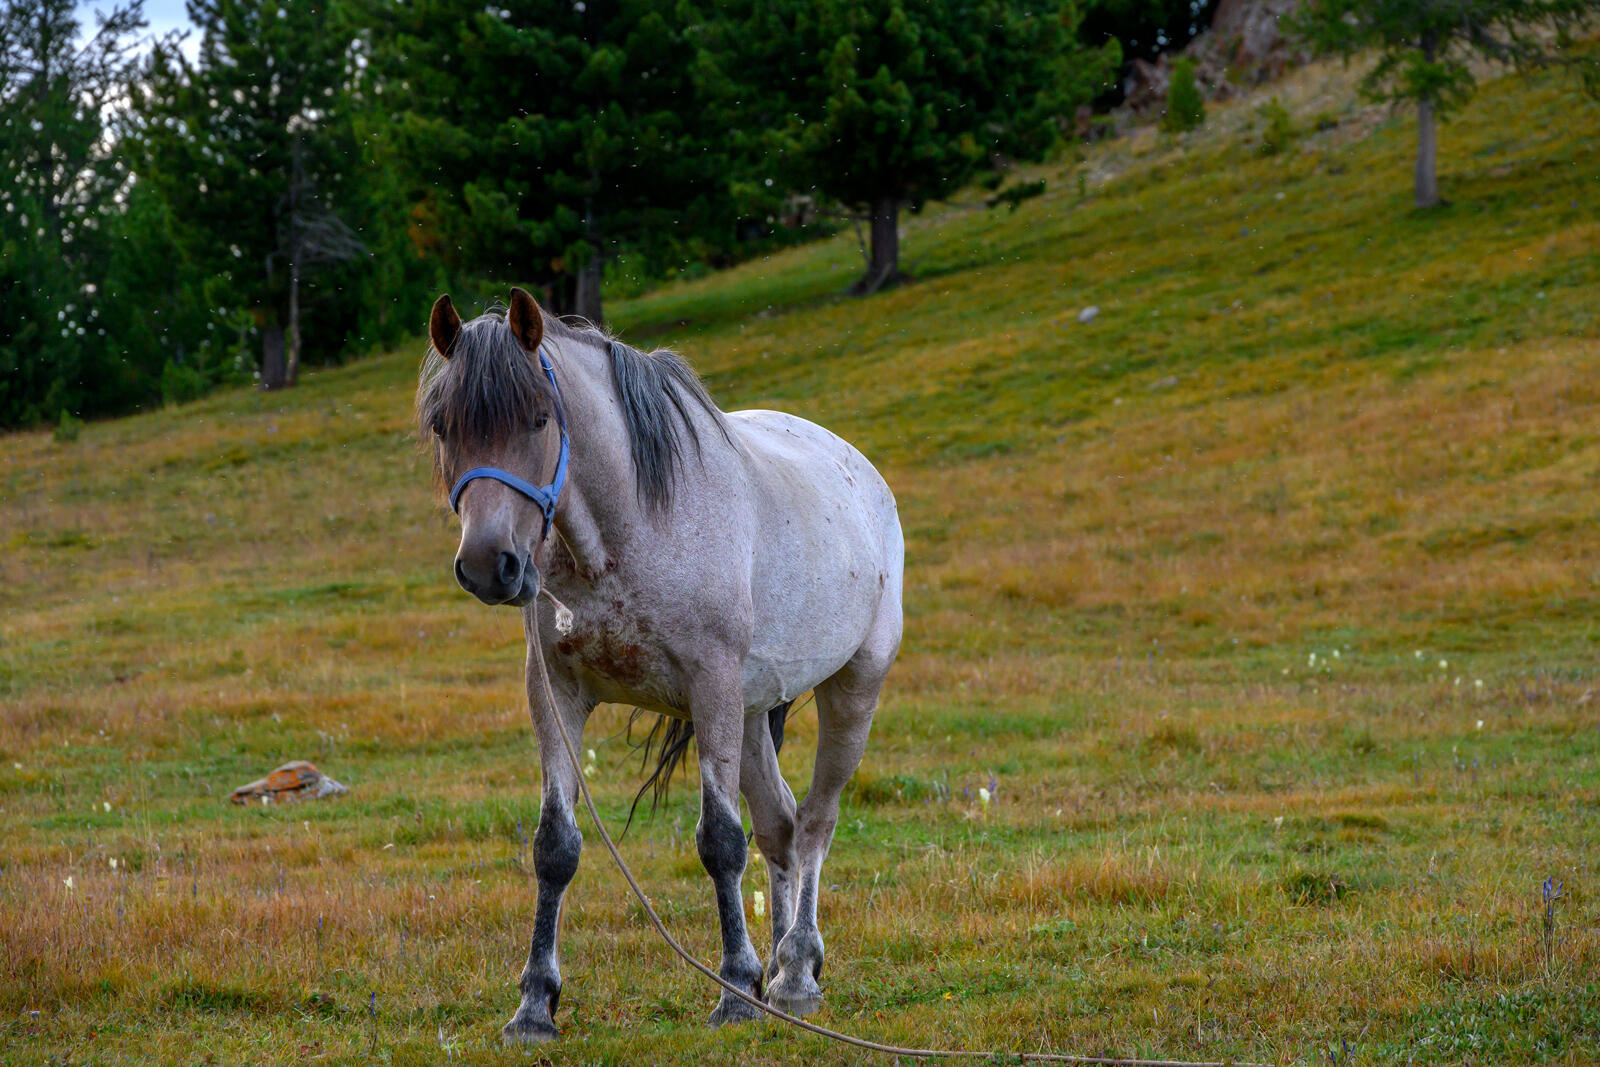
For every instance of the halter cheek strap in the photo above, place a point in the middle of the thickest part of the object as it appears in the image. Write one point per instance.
(544, 496)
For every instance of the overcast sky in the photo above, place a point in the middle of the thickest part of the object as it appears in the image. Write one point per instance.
(163, 16)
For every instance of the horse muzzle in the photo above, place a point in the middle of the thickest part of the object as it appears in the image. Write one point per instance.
(506, 579)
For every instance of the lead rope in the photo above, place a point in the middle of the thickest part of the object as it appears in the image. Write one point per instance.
(564, 615)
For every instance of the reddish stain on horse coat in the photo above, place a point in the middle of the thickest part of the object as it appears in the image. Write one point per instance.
(608, 654)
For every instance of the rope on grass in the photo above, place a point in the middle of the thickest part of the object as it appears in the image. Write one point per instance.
(755, 1002)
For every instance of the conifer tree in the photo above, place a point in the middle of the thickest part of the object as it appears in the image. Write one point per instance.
(251, 151)
(1424, 48)
(544, 136)
(59, 188)
(883, 105)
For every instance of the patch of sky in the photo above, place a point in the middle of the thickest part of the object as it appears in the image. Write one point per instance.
(162, 16)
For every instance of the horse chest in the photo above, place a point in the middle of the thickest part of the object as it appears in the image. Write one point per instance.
(619, 656)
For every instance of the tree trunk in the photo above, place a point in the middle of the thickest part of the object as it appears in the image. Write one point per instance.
(586, 294)
(292, 222)
(272, 365)
(1427, 177)
(884, 266)
(292, 369)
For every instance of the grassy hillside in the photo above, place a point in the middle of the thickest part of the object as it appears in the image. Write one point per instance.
(1265, 604)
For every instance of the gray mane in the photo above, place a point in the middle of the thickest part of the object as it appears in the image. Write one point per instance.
(488, 391)
(657, 390)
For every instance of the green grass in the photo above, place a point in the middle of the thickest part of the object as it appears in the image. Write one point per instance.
(1307, 421)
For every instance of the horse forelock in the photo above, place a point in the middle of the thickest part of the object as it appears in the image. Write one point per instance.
(487, 392)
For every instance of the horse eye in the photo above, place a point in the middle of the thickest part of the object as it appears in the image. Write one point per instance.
(438, 428)
(540, 421)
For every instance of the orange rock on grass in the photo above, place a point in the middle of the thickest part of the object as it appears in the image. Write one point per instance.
(295, 780)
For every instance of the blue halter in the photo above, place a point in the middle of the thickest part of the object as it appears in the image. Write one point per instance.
(546, 497)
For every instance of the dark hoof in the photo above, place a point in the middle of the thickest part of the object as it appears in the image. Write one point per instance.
(524, 1029)
(730, 1009)
(798, 996)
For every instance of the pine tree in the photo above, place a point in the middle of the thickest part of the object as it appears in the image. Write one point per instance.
(1186, 109)
(250, 148)
(544, 137)
(1424, 48)
(886, 104)
(59, 189)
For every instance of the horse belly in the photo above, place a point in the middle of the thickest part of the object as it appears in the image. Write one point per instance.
(821, 566)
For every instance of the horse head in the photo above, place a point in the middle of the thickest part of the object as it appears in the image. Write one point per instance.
(488, 404)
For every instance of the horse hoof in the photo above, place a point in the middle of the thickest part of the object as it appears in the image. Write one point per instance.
(730, 1009)
(521, 1031)
(800, 997)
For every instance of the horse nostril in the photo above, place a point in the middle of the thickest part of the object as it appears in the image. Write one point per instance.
(461, 577)
(510, 571)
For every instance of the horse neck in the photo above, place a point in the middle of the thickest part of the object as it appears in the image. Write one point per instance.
(599, 503)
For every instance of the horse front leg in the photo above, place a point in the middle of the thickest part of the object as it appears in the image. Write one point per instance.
(719, 736)
(557, 844)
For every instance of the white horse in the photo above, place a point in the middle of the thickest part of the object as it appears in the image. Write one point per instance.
(717, 566)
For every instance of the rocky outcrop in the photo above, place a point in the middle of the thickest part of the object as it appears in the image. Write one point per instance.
(1245, 46)
(1247, 41)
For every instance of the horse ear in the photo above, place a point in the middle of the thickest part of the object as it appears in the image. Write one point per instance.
(443, 325)
(525, 320)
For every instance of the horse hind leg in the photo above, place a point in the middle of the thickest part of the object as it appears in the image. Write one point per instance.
(772, 814)
(845, 703)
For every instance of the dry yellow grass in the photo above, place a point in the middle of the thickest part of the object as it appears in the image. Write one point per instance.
(1203, 592)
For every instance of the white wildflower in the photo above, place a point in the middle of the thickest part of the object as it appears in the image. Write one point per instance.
(759, 904)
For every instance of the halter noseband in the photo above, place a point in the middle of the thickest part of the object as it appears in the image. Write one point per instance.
(547, 496)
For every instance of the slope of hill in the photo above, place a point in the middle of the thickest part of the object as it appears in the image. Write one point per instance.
(1263, 604)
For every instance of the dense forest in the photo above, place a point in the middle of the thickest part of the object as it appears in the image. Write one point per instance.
(290, 181)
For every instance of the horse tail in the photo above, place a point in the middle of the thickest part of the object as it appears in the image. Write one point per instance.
(668, 741)
(775, 720)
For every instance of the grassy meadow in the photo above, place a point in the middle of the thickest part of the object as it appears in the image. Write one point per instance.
(1265, 605)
